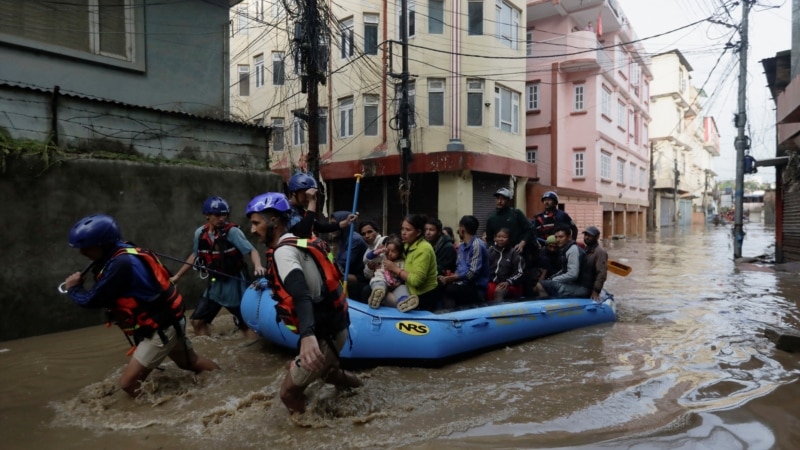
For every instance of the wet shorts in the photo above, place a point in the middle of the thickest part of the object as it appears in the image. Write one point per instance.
(564, 290)
(151, 351)
(208, 309)
(302, 377)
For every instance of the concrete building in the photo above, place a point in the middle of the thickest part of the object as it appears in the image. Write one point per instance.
(587, 112)
(467, 65)
(683, 144)
(783, 79)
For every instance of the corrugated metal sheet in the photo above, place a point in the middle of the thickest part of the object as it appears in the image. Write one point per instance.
(791, 226)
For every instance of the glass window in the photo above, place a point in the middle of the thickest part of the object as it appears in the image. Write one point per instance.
(506, 109)
(530, 155)
(278, 72)
(474, 103)
(532, 97)
(436, 16)
(507, 24)
(412, 6)
(605, 166)
(244, 80)
(579, 164)
(346, 38)
(371, 34)
(298, 131)
(346, 117)
(259, 63)
(371, 114)
(605, 102)
(436, 102)
(475, 17)
(578, 103)
(621, 113)
(322, 126)
(529, 43)
(620, 171)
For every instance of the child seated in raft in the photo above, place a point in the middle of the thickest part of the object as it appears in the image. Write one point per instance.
(387, 288)
(507, 269)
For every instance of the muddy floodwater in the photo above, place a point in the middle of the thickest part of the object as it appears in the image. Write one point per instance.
(686, 366)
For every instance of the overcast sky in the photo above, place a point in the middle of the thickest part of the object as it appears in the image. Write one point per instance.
(702, 45)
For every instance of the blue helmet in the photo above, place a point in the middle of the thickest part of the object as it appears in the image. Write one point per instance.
(550, 195)
(94, 230)
(268, 200)
(301, 181)
(216, 205)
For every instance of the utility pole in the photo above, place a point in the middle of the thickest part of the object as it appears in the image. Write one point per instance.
(405, 142)
(308, 34)
(651, 194)
(742, 142)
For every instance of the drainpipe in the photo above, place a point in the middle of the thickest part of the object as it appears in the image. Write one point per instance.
(54, 116)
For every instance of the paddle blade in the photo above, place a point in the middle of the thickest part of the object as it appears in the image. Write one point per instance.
(618, 268)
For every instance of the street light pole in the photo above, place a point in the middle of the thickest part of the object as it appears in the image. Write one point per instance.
(742, 141)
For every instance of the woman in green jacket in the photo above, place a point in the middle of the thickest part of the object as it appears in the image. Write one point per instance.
(420, 270)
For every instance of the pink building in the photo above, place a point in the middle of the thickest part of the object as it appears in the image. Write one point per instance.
(587, 113)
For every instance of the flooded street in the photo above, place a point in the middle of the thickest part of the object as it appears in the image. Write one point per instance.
(686, 366)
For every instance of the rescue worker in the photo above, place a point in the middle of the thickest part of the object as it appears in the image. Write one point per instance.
(303, 219)
(310, 301)
(505, 216)
(134, 288)
(220, 246)
(544, 223)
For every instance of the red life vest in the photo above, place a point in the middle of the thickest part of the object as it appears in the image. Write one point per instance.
(142, 319)
(220, 255)
(332, 292)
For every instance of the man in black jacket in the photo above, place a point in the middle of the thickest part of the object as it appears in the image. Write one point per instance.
(442, 245)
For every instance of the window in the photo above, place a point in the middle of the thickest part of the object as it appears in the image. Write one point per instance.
(277, 134)
(260, 4)
(436, 102)
(506, 110)
(322, 126)
(605, 166)
(632, 175)
(244, 80)
(475, 17)
(578, 103)
(529, 43)
(278, 72)
(621, 112)
(411, 28)
(507, 23)
(681, 79)
(277, 9)
(635, 126)
(346, 117)
(346, 36)
(411, 101)
(645, 136)
(242, 19)
(630, 122)
(258, 61)
(474, 103)
(579, 164)
(102, 30)
(605, 102)
(371, 34)
(642, 177)
(532, 97)
(621, 171)
(435, 16)
(298, 131)
(530, 154)
(371, 114)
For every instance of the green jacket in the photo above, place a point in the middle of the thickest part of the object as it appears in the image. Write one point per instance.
(421, 267)
(512, 218)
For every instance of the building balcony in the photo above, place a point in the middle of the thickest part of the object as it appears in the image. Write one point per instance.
(577, 51)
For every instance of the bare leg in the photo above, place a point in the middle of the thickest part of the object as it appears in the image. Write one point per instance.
(540, 291)
(342, 379)
(188, 359)
(132, 377)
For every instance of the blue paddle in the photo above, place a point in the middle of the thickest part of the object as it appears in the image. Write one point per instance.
(350, 235)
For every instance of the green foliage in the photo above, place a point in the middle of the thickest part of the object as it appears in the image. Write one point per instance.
(11, 149)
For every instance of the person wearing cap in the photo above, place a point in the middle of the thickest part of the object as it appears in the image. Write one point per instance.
(220, 246)
(596, 259)
(549, 258)
(303, 219)
(134, 288)
(545, 222)
(505, 216)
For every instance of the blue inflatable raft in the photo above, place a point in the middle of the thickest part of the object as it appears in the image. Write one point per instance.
(387, 334)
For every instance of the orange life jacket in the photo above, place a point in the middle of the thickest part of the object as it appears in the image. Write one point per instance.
(139, 318)
(333, 296)
(220, 255)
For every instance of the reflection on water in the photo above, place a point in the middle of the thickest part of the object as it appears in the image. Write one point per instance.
(686, 366)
